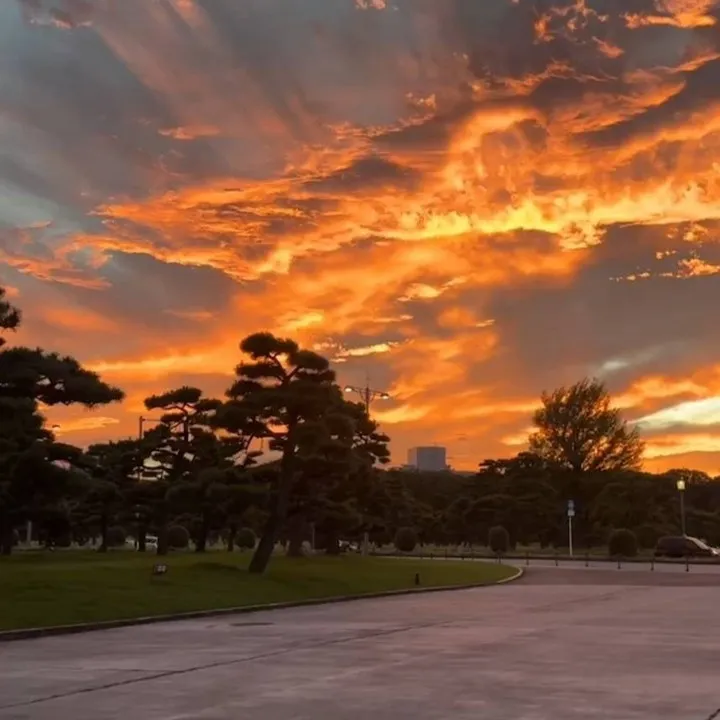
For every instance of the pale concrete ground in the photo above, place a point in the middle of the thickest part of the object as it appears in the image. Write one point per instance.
(558, 645)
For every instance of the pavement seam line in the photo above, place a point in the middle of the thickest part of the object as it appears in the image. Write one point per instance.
(225, 663)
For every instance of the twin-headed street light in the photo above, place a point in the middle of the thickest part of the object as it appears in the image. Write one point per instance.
(367, 394)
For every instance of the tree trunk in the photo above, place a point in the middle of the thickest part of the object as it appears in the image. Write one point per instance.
(103, 533)
(201, 540)
(332, 544)
(162, 529)
(6, 535)
(142, 538)
(296, 534)
(277, 515)
(232, 532)
(264, 550)
(162, 543)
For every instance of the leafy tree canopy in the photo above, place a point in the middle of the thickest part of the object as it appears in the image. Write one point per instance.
(577, 428)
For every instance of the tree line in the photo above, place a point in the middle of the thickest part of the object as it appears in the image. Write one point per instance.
(200, 473)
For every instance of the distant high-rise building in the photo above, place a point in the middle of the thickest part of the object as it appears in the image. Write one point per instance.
(432, 459)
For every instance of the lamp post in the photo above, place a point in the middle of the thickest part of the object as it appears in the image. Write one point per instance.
(141, 423)
(141, 434)
(367, 394)
(681, 489)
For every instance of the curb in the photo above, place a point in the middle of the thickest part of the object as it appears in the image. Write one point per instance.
(518, 574)
(31, 633)
(560, 559)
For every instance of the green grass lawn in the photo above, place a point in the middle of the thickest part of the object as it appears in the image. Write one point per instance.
(66, 587)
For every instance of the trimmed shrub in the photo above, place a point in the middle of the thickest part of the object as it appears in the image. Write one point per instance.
(116, 536)
(406, 539)
(245, 539)
(178, 538)
(647, 536)
(622, 543)
(499, 540)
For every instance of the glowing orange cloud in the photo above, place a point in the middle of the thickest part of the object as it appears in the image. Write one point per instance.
(400, 201)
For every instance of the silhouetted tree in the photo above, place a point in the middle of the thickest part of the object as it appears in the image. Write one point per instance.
(282, 394)
(193, 460)
(29, 474)
(577, 429)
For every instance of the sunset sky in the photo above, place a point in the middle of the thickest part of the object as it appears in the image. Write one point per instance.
(468, 201)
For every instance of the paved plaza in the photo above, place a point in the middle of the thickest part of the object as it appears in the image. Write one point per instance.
(560, 644)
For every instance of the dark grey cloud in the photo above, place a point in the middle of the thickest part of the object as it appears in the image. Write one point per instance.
(659, 325)
(365, 174)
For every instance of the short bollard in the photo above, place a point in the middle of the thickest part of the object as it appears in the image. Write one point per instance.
(687, 564)
(498, 558)
(557, 562)
(417, 579)
(587, 559)
(652, 564)
(619, 567)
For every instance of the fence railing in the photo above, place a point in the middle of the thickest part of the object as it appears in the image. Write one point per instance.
(558, 559)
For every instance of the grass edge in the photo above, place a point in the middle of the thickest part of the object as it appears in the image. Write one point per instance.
(56, 630)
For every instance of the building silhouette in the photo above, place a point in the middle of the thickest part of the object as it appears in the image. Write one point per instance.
(429, 459)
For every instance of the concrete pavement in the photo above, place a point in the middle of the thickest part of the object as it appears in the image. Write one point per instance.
(558, 645)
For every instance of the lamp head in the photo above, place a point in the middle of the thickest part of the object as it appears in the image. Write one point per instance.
(680, 485)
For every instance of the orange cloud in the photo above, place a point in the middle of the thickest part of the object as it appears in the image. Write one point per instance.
(398, 200)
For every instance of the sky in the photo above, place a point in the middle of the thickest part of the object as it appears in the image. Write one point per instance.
(466, 202)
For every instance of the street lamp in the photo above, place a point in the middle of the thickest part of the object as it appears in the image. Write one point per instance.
(680, 485)
(367, 394)
(141, 422)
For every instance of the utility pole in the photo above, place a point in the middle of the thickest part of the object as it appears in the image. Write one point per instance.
(141, 434)
(367, 394)
(141, 425)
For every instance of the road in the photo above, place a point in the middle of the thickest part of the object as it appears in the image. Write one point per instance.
(560, 644)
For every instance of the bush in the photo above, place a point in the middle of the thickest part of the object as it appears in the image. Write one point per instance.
(499, 539)
(116, 536)
(406, 539)
(178, 538)
(622, 543)
(647, 536)
(245, 539)
(63, 540)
